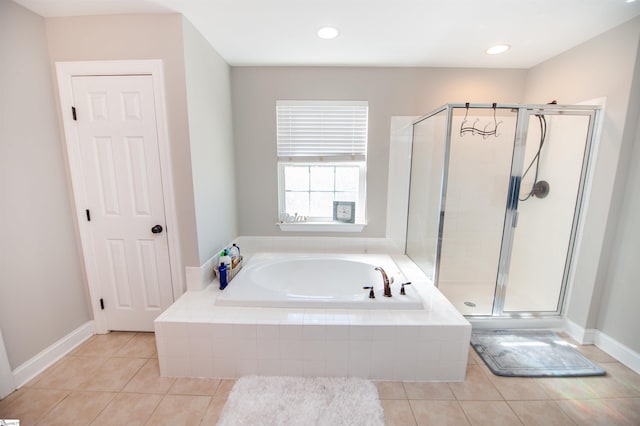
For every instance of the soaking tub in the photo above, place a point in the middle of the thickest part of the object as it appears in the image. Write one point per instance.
(288, 280)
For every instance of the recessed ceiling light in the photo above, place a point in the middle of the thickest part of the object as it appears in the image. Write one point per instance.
(327, 33)
(495, 50)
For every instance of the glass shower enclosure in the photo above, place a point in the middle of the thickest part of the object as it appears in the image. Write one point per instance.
(494, 203)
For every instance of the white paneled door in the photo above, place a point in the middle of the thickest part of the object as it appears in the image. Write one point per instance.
(117, 134)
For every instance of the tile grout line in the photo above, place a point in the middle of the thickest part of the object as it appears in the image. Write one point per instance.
(121, 391)
(153, 411)
(415, 419)
(103, 408)
(550, 400)
(52, 407)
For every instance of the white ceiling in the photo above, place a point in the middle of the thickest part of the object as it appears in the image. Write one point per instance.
(436, 33)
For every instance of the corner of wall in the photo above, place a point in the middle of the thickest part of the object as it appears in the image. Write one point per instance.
(591, 70)
(48, 356)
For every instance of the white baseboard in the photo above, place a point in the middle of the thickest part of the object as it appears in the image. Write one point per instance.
(611, 346)
(622, 353)
(7, 384)
(48, 356)
(590, 336)
(578, 333)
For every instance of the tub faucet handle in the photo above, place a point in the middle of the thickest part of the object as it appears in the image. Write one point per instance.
(372, 295)
(402, 287)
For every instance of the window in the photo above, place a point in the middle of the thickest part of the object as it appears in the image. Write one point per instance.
(322, 148)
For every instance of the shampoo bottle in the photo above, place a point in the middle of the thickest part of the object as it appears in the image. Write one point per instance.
(222, 275)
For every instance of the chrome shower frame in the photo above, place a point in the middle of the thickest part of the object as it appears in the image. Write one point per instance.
(524, 113)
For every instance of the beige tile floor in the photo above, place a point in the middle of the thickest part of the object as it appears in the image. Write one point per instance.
(114, 380)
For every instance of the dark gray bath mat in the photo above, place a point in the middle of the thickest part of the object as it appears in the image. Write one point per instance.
(531, 353)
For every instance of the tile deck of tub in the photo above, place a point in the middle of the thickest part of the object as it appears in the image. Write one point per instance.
(197, 338)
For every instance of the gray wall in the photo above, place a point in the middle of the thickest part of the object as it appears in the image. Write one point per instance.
(211, 141)
(120, 37)
(42, 296)
(618, 311)
(40, 258)
(390, 91)
(601, 67)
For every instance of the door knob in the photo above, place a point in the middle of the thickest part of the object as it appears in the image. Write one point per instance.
(156, 229)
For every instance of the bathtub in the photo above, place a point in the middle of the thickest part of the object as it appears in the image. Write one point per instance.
(286, 280)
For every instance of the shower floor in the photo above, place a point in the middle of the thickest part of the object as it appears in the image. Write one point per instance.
(480, 296)
(478, 293)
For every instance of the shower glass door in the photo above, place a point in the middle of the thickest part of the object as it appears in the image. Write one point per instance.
(551, 170)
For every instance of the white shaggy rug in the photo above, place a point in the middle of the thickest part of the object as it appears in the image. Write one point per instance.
(292, 401)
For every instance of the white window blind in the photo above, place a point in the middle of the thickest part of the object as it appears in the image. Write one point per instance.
(318, 129)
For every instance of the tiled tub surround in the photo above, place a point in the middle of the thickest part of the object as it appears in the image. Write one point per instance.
(197, 338)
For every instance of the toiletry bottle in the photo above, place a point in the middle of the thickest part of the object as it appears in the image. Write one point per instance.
(225, 259)
(234, 253)
(222, 275)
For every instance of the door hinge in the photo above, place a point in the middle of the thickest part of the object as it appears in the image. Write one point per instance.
(102, 304)
(88, 215)
(73, 113)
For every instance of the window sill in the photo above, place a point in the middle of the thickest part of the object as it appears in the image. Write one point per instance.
(321, 227)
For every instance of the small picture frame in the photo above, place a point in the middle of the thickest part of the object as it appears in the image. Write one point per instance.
(344, 211)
